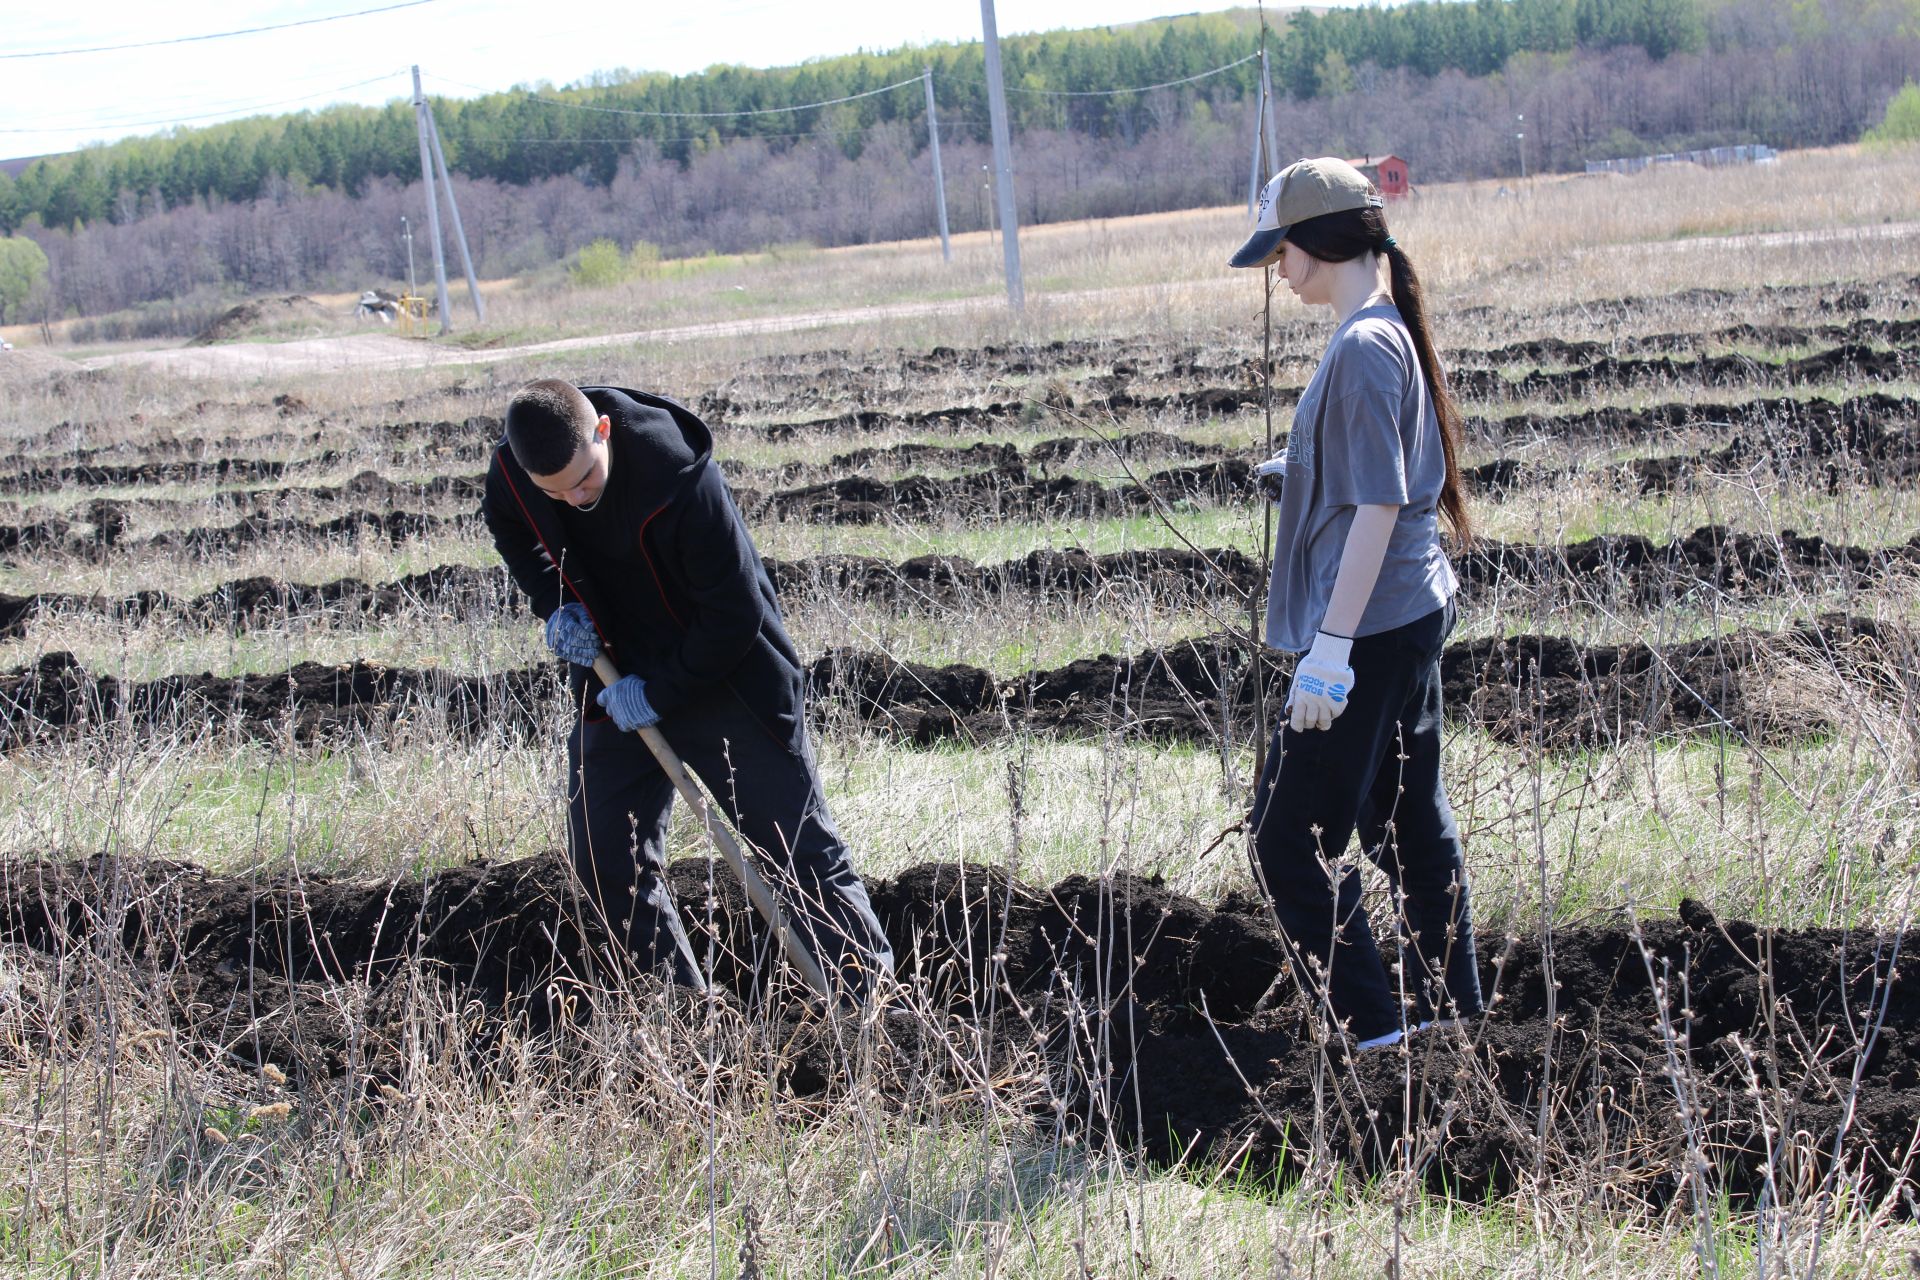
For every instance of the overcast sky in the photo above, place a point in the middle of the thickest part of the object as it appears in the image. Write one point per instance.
(50, 104)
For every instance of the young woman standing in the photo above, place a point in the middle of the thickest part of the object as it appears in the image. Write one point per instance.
(1363, 589)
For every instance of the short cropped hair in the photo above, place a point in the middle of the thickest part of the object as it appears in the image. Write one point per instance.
(547, 422)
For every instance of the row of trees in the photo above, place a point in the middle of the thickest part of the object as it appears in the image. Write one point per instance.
(1801, 72)
(1612, 102)
(525, 136)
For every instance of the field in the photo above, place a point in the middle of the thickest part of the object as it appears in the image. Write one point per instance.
(292, 981)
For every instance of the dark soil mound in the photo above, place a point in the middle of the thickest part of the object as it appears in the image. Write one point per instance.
(1008, 491)
(309, 701)
(1608, 568)
(1545, 690)
(1540, 689)
(108, 523)
(119, 475)
(1851, 361)
(1159, 1021)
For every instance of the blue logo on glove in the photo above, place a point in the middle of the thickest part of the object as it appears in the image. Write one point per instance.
(1314, 685)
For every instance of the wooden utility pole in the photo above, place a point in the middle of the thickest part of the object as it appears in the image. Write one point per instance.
(1259, 150)
(433, 206)
(939, 178)
(1002, 160)
(1267, 123)
(453, 208)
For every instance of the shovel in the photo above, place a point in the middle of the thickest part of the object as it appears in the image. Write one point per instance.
(758, 891)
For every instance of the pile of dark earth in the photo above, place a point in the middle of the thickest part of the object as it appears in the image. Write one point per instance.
(1543, 690)
(1166, 1024)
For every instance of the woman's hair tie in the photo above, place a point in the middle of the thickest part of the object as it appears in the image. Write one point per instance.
(1389, 243)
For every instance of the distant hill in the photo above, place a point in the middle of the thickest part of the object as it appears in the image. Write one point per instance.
(13, 168)
(309, 202)
(521, 137)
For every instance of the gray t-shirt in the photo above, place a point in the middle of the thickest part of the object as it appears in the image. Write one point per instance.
(1363, 433)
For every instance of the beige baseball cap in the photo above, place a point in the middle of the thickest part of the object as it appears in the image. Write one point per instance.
(1304, 189)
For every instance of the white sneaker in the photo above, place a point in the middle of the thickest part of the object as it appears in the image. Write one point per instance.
(1386, 1041)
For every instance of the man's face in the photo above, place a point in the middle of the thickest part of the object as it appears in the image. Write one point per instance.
(581, 482)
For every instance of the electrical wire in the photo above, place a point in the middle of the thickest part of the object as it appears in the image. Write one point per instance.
(213, 35)
(1108, 93)
(230, 111)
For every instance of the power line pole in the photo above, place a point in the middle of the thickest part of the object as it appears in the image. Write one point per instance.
(1002, 159)
(939, 179)
(406, 231)
(453, 207)
(1270, 128)
(433, 206)
(1253, 182)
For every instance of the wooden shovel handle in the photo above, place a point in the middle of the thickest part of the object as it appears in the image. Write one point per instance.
(758, 891)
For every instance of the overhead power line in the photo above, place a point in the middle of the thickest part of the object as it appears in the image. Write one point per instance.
(212, 35)
(1108, 93)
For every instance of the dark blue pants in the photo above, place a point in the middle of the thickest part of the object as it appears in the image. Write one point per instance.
(762, 775)
(1376, 771)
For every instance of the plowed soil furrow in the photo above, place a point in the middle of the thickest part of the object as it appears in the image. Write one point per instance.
(237, 459)
(1006, 492)
(1541, 689)
(1002, 493)
(1856, 417)
(1614, 568)
(1823, 442)
(109, 534)
(778, 383)
(1774, 415)
(1850, 363)
(1874, 429)
(370, 487)
(1140, 1008)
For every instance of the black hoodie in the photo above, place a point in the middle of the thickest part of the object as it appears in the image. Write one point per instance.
(663, 563)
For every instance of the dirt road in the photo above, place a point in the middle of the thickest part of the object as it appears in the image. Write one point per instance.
(386, 351)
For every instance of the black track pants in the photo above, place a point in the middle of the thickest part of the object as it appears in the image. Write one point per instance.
(767, 783)
(1377, 771)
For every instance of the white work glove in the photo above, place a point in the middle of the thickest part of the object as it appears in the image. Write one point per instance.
(1269, 475)
(1321, 683)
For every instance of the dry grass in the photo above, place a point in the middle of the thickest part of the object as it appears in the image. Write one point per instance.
(642, 1151)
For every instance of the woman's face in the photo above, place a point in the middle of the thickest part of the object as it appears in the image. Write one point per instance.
(1303, 275)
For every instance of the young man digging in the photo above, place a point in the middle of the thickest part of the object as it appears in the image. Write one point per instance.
(611, 517)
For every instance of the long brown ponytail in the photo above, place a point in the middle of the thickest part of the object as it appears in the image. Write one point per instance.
(1341, 237)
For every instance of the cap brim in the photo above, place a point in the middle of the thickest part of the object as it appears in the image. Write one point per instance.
(1261, 249)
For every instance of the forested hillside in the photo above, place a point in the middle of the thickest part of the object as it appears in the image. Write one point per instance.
(311, 200)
